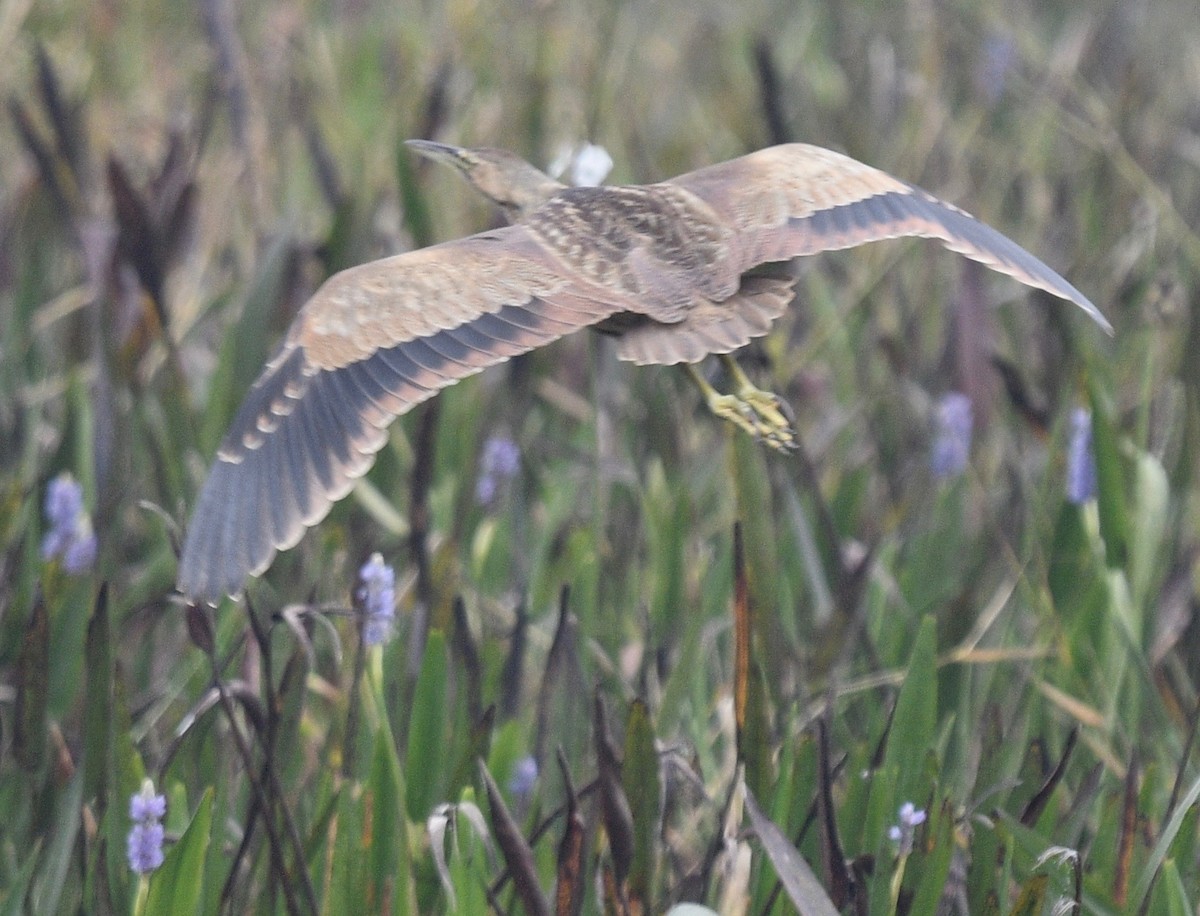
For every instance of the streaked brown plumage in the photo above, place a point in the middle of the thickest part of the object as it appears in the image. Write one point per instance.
(677, 270)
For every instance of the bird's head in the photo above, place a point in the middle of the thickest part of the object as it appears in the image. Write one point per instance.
(503, 177)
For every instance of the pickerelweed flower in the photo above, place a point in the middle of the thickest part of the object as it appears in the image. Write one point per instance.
(499, 464)
(904, 830)
(524, 777)
(952, 438)
(145, 842)
(1081, 460)
(584, 165)
(377, 597)
(70, 539)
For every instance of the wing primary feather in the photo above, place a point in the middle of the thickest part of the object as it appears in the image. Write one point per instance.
(230, 552)
(365, 377)
(434, 363)
(408, 371)
(450, 348)
(259, 523)
(331, 421)
(530, 317)
(283, 507)
(891, 210)
(294, 463)
(498, 328)
(315, 448)
(346, 391)
(842, 222)
(966, 235)
(346, 415)
(323, 423)
(862, 215)
(402, 392)
(199, 549)
(471, 336)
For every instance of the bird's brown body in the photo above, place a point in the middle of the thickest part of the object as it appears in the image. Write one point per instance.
(676, 270)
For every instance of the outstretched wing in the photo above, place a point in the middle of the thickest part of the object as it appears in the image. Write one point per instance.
(373, 342)
(796, 199)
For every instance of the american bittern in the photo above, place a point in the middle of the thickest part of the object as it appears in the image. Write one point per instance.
(676, 270)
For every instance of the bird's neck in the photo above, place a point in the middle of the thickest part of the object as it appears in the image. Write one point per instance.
(528, 191)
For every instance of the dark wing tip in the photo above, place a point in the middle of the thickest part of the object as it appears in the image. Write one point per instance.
(208, 568)
(975, 239)
(256, 494)
(915, 213)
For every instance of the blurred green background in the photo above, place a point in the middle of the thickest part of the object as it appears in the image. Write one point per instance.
(178, 178)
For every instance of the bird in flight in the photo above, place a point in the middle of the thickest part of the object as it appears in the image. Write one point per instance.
(675, 271)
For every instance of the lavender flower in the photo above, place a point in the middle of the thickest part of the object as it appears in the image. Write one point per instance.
(952, 439)
(70, 538)
(377, 597)
(499, 464)
(584, 165)
(523, 778)
(145, 841)
(1081, 461)
(902, 833)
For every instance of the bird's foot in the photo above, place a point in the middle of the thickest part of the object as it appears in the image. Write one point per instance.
(773, 416)
(761, 414)
(764, 416)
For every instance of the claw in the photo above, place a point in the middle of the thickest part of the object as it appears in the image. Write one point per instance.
(761, 414)
(774, 415)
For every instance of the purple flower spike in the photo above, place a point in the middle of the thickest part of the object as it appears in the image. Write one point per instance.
(952, 440)
(377, 596)
(70, 539)
(500, 462)
(145, 840)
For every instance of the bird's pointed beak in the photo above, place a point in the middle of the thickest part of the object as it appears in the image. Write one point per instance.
(439, 152)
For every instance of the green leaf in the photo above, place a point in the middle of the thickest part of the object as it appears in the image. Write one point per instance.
(1162, 846)
(98, 701)
(756, 745)
(643, 789)
(428, 753)
(754, 510)
(915, 719)
(348, 870)
(1149, 523)
(935, 863)
(179, 884)
(33, 688)
(60, 848)
(1110, 481)
(1073, 574)
(14, 895)
(390, 869)
(1170, 895)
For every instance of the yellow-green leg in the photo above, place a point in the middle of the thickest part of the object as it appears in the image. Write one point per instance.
(760, 413)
